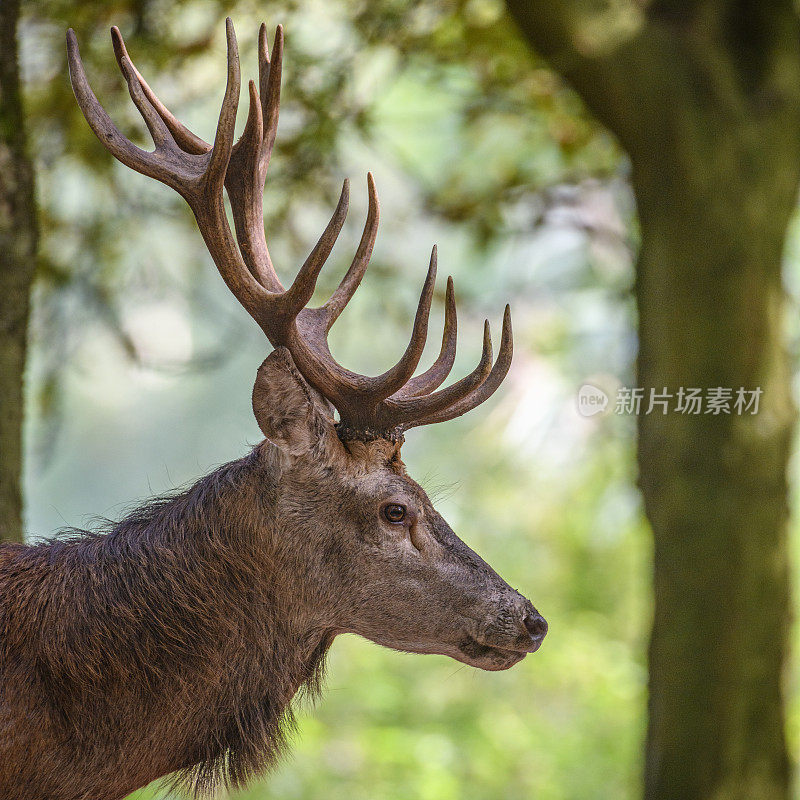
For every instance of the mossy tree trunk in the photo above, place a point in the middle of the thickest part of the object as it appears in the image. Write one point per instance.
(705, 98)
(17, 261)
(710, 300)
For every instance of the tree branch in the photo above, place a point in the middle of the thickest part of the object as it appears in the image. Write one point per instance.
(602, 53)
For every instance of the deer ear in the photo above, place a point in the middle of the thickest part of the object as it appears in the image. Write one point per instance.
(290, 413)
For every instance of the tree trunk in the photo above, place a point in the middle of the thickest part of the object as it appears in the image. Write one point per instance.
(710, 307)
(17, 260)
(705, 98)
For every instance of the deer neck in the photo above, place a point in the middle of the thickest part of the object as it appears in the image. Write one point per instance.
(205, 653)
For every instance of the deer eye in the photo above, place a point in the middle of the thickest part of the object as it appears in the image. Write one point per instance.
(394, 512)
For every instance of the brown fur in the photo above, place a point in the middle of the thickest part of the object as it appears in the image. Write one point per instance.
(175, 640)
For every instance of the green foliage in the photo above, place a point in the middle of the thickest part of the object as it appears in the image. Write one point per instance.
(514, 127)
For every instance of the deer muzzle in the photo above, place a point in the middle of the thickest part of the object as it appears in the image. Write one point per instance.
(514, 630)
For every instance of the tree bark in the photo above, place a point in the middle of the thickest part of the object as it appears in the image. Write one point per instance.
(710, 306)
(704, 98)
(18, 238)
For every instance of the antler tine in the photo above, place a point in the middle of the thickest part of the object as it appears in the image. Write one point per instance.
(269, 80)
(184, 138)
(224, 136)
(352, 279)
(390, 381)
(485, 390)
(245, 184)
(150, 164)
(247, 170)
(406, 409)
(437, 373)
(264, 61)
(301, 290)
(158, 130)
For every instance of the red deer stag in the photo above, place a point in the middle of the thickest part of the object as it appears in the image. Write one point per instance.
(175, 641)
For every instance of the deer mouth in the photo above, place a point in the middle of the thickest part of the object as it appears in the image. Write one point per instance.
(489, 657)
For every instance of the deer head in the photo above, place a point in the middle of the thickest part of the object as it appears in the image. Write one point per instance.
(368, 552)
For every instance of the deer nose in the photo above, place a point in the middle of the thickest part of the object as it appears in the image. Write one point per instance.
(536, 625)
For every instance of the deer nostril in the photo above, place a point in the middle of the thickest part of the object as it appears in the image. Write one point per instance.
(536, 625)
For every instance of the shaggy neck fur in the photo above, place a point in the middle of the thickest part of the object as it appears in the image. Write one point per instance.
(164, 644)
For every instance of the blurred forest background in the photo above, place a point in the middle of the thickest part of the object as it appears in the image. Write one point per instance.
(140, 363)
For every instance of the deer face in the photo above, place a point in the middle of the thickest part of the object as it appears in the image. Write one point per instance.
(375, 557)
(420, 588)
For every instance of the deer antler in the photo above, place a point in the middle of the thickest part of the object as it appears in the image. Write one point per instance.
(369, 407)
